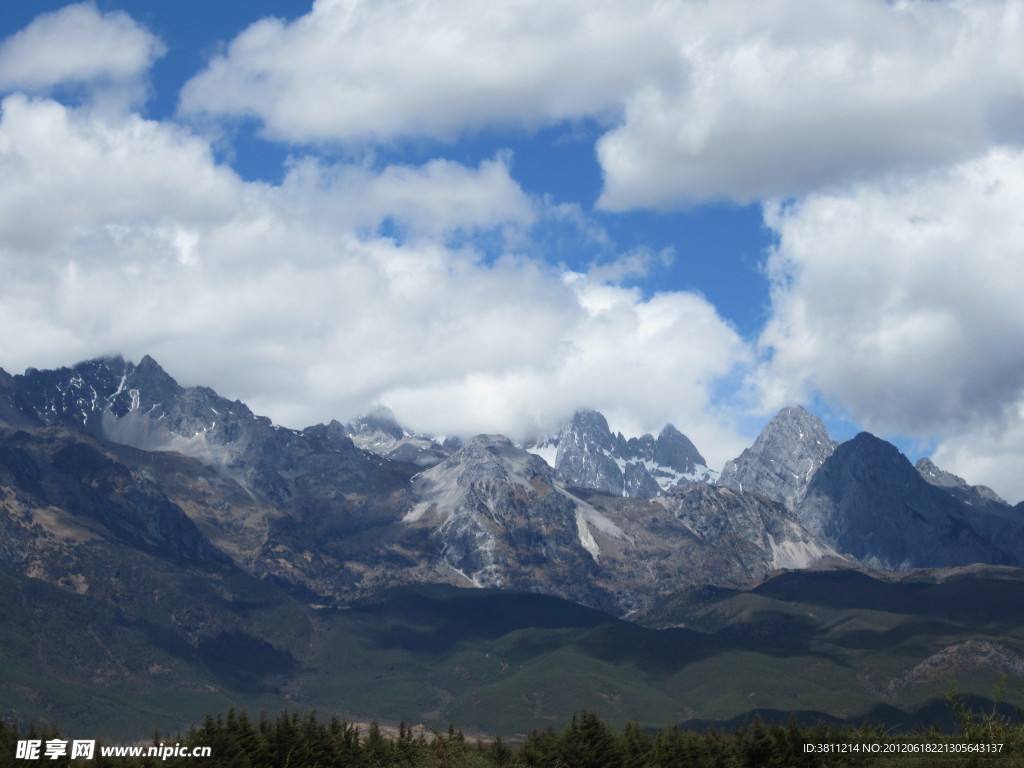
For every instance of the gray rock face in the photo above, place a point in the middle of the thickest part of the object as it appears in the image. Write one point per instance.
(867, 500)
(610, 527)
(589, 456)
(756, 535)
(318, 495)
(586, 454)
(381, 433)
(499, 517)
(674, 450)
(783, 459)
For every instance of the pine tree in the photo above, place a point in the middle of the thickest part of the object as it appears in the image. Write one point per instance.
(635, 746)
(541, 749)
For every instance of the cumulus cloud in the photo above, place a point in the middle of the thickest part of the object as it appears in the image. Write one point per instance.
(713, 101)
(793, 95)
(352, 69)
(640, 361)
(891, 131)
(440, 196)
(132, 238)
(899, 300)
(78, 45)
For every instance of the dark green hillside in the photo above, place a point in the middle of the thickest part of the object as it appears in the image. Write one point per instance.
(165, 642)
(67, 659)
(903, 639)
(501, 662)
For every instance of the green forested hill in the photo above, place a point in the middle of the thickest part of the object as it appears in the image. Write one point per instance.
(824, 645)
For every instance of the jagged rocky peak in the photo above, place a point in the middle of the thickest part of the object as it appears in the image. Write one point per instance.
(943, 479)
(930, 472)
(79, 392)
(587, 454)
(154, 381)
(675, 450)
(331, 436)
(141, 406)
(379, 423)
(379, 432)
(105, 390)
(783, 458)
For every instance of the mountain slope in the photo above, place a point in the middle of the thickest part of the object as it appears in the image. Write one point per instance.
(315, 506)
(782, 459)
(500, 517)
(265, 566)
(867, 500)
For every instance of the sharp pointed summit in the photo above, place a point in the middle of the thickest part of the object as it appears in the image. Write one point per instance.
(783, 458)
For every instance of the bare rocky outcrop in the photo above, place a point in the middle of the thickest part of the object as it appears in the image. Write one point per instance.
(783, 458)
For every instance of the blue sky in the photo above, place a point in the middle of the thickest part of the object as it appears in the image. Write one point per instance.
(487, 215)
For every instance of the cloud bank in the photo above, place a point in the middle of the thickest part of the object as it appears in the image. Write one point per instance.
(292, 298)
(704, 101)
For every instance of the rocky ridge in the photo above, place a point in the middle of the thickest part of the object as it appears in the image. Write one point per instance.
(500, 518)
(614, 523)
(586, 454)
(868, 500)
(865, 500)
(380, 433)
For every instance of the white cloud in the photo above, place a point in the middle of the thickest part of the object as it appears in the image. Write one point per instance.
(352, 69)
(724, 100)
(79, 45)
(129, 237)
(640, 361)
(438, 197)
(900, 300)
(895, 125)
(991, 455)
(790, 96)
(69, 171)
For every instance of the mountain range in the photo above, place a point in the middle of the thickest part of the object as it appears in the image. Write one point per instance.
(171, 509)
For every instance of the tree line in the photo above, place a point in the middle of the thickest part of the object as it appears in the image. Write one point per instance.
(291, 740)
